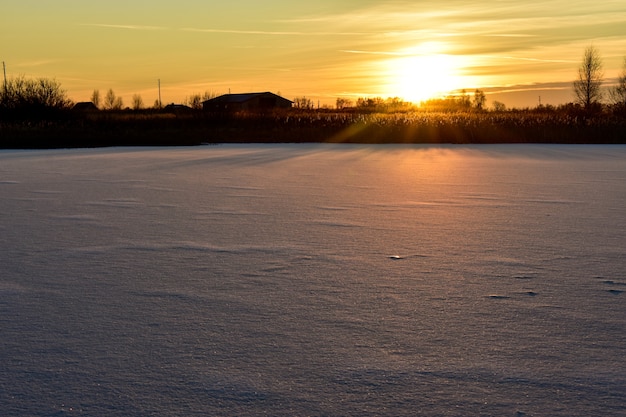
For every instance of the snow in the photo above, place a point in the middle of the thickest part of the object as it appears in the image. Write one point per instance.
(313, 280)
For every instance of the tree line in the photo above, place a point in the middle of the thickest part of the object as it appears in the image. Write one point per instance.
(42, 96)
(113, 102)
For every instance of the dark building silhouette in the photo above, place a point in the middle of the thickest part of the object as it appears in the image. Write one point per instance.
(86, 106)
(177, 108)
(246, 102)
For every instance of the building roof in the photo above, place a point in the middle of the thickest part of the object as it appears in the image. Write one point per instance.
(241, 98)
(173, 106)
(85, 106)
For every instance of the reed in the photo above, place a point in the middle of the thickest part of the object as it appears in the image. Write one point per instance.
(152, 127)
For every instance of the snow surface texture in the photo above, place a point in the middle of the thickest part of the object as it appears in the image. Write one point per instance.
(313, 280)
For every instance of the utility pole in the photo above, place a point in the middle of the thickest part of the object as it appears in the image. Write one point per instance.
(4, 70)
(160, 103)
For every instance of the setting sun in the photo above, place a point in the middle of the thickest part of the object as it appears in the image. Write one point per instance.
(322, 50)
(419, 77)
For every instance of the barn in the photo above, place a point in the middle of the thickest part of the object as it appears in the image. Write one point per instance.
(246, 102)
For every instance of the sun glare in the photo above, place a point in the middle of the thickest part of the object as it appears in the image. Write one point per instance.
(419, 77)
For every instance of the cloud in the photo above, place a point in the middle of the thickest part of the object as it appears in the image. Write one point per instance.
(511, 26)
(355, 51)
(38, 63)
(243, 32)
(562, 85)
(127, 27)
(272, 33)
(517, 58)
(511, 35)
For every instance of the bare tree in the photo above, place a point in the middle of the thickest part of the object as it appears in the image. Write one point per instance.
(137, 102)
(463, 100)
(479, 99)
(208, 95)
(343, 103)
(370, 104)
(587, 86)
(393, 104)
(95, 98)
(499, 106)
(111, 102)
(618, 92)
(109, 99)
(303, 103)
(33, 95)
(194, 101)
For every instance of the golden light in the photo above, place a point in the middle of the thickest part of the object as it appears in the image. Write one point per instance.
(418, 77)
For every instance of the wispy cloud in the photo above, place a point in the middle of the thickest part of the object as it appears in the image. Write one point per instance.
(228, 31)
(554, 86)
(37, 63)
(244, 32)
(511, 35)
(356, 51)
(517, 58)
(272, 33)
(511, 26)
(127, 27)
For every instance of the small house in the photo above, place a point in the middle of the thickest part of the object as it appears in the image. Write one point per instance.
(246, 102)
(177, 108)
(85, 106)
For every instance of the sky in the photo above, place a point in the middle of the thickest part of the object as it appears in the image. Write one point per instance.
(519, 53)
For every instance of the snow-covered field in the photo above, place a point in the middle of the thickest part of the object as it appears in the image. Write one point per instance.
(313, 280)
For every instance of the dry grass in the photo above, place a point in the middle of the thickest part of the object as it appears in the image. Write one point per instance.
(191, 128)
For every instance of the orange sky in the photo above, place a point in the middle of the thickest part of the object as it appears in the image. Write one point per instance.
(515, 51)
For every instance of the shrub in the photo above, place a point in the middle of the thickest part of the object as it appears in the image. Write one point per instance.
(37, 97)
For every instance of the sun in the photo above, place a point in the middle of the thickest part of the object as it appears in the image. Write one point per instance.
(419, 77)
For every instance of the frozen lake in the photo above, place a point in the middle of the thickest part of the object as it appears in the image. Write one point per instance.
(313, 280)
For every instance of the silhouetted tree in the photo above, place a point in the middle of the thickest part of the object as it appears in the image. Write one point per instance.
(370, 104)
(95, 98)
(618, 92)
(499, 106)
(464, 100)
(396, 104)
(111, 102)
(446, 104)
(137, 102)
(479, 99)
(303, 103)
(343, 103)
(109, 99)
(195, 100)
(33, 95)
(208, 95)
(587, 86)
